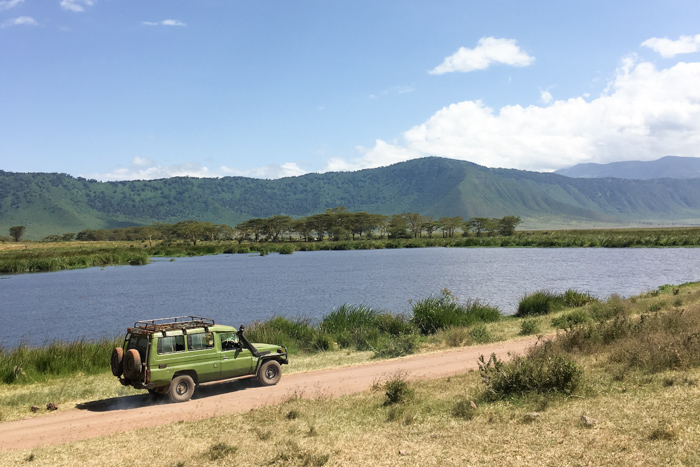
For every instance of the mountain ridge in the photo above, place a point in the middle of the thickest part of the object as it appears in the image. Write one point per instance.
(57, 203)
(665, 167)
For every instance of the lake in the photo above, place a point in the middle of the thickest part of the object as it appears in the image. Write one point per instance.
(240, 289)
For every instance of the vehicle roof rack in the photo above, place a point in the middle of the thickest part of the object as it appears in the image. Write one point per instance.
(170, 324)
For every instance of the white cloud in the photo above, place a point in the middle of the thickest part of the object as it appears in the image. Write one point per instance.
(290, 169)
(546, 97)
(7, 4)
(172, 22)
(143, 168)
(643, 114)
(165, 22)
(76, 5)
(394, 90)
(670, 48)
(21, 21)
(488, 51)
(142, 161)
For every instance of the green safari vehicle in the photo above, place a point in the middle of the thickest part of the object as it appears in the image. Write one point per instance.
(174, 355)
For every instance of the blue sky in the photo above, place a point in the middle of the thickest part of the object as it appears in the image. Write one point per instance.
(125, 89)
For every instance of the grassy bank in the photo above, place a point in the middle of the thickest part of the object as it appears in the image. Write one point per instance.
(36, 260)
(68, 255)
(619, 387)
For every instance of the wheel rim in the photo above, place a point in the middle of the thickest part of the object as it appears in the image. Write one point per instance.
(181, 388)
(270, 372)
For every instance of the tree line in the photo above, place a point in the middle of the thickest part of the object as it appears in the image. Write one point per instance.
(333, 224)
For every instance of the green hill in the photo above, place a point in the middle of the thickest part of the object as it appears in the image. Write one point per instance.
(58, 203)
(666, 167)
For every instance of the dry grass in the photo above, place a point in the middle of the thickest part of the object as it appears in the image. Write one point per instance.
(641, 421)
(641, 418)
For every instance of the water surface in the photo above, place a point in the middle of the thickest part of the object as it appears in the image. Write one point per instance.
(239, 289)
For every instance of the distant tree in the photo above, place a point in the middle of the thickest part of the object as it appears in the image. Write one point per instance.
(68, 236)
(380, 222)
(276, 226)
(415, 222)
(430, 227)
(397, 227)
(481, 224)
(150, 233)
(302, 227)
(449, 225)
(191, 230)
(17, 231)
(506, 225)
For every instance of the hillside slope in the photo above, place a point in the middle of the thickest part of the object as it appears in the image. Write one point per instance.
(666, 167)
(58, 203)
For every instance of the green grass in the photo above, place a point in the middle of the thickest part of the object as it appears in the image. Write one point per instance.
(25, 364)
(56, 260)
(443, 311)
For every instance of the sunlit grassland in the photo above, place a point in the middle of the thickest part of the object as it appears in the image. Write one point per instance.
(640, 358)
(643, 420)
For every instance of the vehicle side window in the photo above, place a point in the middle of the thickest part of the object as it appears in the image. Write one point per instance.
(200, 341)
(229, 341)
(171, 344)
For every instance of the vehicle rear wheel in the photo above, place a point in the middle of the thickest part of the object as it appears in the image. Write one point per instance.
(269, 373)
(181, 388)
(117, 361)
(132, 364)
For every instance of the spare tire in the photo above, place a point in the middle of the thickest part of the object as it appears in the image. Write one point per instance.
(117, 361)
(132, 364)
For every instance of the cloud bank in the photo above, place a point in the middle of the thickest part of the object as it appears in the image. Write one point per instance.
(77, 6)
(644, 113)
(165, 22)
(488, 51)
(668, 48)
(143, 168)
(7, 4)
(21, 21)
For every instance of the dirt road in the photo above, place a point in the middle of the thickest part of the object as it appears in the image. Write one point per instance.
(109, 416)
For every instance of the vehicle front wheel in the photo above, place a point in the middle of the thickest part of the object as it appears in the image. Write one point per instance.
(181, 388)
(269, 373)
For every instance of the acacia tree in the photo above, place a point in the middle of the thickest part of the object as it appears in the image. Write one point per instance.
(506, 225)
(17, 231)
(448, 225)
(481, 224)
(415, 223)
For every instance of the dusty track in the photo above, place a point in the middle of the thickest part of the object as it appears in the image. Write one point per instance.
(110, 416)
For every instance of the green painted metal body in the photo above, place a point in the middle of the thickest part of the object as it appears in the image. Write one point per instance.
(207, 354)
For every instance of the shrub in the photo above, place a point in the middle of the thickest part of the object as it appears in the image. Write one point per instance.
(286, 249)
(220, 450)
(574, 298)
(571, 320)
(480, 335)
(395, 346)
(543, 370)
(529, 326)
(464, 409)
(443, 311)
(541, 302)
(397, 390)
(296, 334)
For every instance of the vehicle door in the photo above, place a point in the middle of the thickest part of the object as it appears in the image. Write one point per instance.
(236, 360)
(202, 356)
